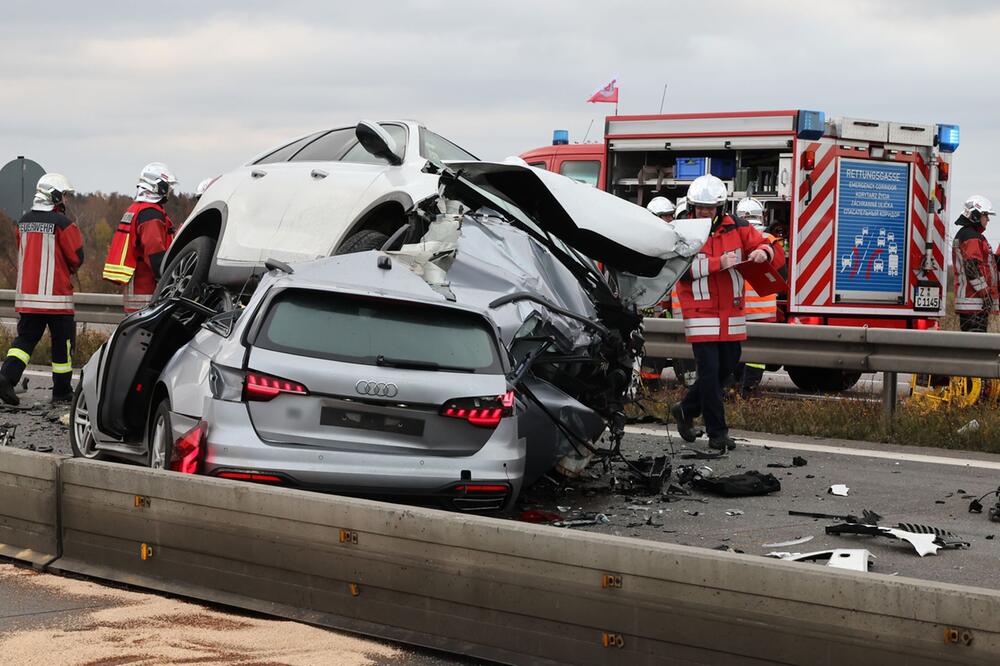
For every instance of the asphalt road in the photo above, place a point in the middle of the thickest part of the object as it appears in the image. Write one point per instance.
(903, 484)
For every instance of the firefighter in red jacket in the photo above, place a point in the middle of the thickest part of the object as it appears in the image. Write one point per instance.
(49, 251)
(974, 266)
(712, 298)
(144, 234)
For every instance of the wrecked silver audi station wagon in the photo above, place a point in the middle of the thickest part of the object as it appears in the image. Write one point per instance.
(493, 337)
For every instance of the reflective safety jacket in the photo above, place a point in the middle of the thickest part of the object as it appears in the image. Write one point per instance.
(49, 251)
(712, 298)
(975, 269)
(143, 236)
(765, 308)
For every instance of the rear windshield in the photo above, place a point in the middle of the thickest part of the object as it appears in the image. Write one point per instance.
(357, 329)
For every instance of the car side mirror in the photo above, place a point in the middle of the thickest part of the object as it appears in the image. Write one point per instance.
(377, 141)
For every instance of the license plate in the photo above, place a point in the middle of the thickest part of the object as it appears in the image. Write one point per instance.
(927, 298)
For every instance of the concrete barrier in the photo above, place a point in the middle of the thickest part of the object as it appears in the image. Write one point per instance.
(29, 506)
(501, 590)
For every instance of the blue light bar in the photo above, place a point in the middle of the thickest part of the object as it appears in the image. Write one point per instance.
(810, 124)
(947, 138)
(560, 137)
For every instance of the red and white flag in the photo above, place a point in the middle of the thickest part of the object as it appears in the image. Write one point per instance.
(608, 93)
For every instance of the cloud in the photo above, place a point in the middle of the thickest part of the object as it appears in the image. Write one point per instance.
(105, 87)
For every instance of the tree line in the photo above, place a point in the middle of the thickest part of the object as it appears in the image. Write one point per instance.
(97, 214)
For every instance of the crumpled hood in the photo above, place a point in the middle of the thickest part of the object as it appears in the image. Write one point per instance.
(603, 227)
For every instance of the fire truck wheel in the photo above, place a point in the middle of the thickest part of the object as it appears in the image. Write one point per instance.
(187, 270)
(822, 379)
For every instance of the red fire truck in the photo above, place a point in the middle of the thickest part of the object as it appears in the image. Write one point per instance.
(862, 204)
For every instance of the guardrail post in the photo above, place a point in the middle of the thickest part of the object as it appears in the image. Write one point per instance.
(888, 397)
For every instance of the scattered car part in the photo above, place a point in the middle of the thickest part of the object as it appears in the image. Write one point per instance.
(592, 519)
(925, 543)
(786, 544)
(734, 512)
(539, 516)
(976, 505)
(797, 461)
(7, 434)
(852, 559)
(739, 485)
(868, 517)
(838, 489)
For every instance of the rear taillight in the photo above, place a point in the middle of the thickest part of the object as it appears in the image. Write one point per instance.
(808, 160)
(188, 452)
(481, 488)
(261, 388)
(926, 324)
(257, 477)
(809, 321)
(485, 412)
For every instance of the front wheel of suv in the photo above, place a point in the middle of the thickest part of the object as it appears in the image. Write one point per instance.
(187, 272)
(362, 241)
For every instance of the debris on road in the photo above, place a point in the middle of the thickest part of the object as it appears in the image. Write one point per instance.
(734, 512)
(786, 544)
(838, 489)
(925, 540)
(738, 485)
(7, 434)
(868, 516)
(586, 519)
(852, 559)
(539, 516)
(797, 461)
(976, 505)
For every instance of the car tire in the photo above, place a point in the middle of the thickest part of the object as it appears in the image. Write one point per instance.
(159, 437)
(824, 380)
(81, 429)
(187, 271)
(362, 241)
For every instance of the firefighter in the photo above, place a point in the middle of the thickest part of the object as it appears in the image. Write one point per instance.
(681, 211)
(49, 252)
(144, 234)
(975, 267)
(662, 208)
(762, 309)
(711, 295)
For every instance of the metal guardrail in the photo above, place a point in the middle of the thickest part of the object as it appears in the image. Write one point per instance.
(848, 348)
(90, 308)
(482, 587)
(844, 347)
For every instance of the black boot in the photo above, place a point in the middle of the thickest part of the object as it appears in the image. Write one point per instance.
(685, 426)
(7, 392)
(721, 443)
(63, 397)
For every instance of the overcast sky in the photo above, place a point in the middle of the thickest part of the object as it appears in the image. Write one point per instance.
(95, 90)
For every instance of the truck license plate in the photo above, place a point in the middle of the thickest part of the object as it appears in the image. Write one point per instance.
(927, 298)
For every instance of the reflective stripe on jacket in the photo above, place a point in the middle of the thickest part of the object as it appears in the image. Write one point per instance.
(713, 298)
(975, 269)
(49, 251)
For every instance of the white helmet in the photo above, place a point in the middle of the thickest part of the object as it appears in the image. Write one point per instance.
(155, 182)
(682, 208)
(660, 206)
(50, 190)
(707, 191)
(752, 211)
(976, 205)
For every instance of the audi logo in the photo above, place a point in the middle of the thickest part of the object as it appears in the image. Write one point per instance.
(377, 388)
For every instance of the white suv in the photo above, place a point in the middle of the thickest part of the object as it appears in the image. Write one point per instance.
(334, 191)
